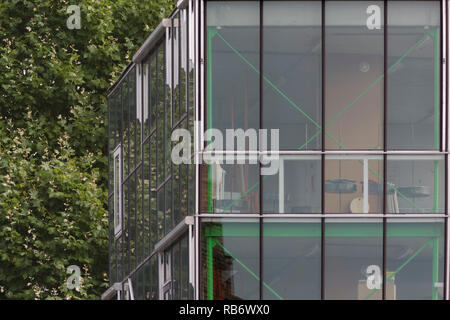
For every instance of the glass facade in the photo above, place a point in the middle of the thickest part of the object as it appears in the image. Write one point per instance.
(352, 203)
(154, 195)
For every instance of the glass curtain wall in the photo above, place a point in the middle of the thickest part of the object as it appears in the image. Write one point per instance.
(356, 203)
(150, 101)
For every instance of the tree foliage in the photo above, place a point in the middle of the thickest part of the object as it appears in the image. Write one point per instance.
(53, 138)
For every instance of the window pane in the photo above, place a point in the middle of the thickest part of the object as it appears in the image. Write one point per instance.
(146, 94)
(184, 269)
(139, 218)
(147, 280)
(416, 184)
(126, 124)
(353, 259)
(292, 259)
(125, 226)
(168, 219)
(184, 189)
(230, 260)
(230, 188)
(293, 73)
(117, 182)
(154, 211)
(345, 178)
(160, 214)
(147, 200)
(154, 278)
(295, 188)
(354, 46)
(176, 69)
(176, 266)
(160, 110)
(132, 221)
(414, 75)
(414, 259)
(132, 108)
(176, 194)
(233, 64)
(168, 107)
(154, 94)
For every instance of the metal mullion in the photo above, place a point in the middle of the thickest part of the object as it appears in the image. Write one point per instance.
(135, 215)
(128, 124)
(122, 236)
(179, 63)
(128, 227)
(155, 130)
(180, 270)
(144, 235)
(142, 159)
(187, 59)
(199, 7)
(322, 220)
(172, 211)
(441, 78)
(172, 71)
(446, 146)
(150, 198)
(444, 8)
(175, 31)
(164, 134)
(136, 134)
(109, 185)
(446, 239)
(149, 98)
(261, 124)
(385, 88)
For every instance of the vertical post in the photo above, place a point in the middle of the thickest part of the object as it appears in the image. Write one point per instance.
(435, 35)
(436, 187)
(281, 186)
(435, 266)
(209, 267)
(366, 186)
(210, 35)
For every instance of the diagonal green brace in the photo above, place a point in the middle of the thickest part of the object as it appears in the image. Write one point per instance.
(428, 243)
(250, 271)
(215, 32)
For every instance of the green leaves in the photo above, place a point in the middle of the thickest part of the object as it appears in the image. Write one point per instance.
(52, 214)
(53, 138)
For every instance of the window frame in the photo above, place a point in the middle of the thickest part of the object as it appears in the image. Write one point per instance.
(117, 191)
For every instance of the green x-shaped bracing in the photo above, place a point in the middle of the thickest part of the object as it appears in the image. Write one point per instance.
(212, 32)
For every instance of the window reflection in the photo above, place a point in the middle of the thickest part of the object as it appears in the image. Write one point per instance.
(230, 260)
